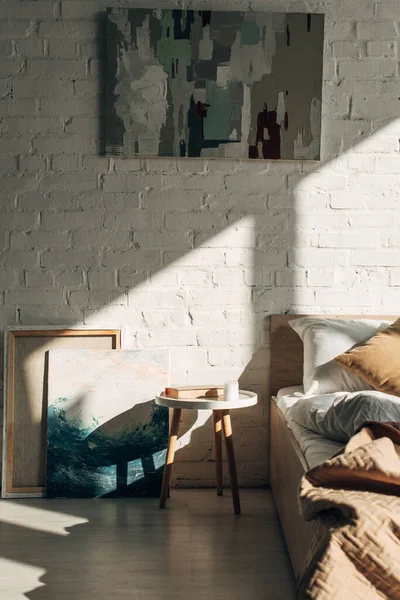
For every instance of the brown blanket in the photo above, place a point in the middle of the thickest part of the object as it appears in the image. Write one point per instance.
(354, 501)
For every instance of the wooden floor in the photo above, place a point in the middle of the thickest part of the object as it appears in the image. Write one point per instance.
(194, 549)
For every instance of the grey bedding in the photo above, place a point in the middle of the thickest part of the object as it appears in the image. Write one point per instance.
(338, 416)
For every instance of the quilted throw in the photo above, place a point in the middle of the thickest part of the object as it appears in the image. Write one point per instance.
(353, 500)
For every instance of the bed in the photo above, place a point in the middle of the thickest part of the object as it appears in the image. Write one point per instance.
(288, 462)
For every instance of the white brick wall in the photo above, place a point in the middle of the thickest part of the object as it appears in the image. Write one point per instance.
(194, 254)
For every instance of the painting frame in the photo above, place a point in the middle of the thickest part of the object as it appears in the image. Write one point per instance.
(12, 335)
(270, 135)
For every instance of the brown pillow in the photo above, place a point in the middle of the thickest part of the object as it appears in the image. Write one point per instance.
(377, 361)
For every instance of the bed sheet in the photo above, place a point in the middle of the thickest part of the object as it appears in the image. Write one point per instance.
(315, 448)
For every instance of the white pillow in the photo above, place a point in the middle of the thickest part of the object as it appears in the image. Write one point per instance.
(323, 339)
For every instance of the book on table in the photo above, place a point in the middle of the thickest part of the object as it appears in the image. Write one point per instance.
(195, 391)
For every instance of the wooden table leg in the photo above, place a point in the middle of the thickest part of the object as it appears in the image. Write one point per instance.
(173, 435)
(217, 416)
(227, 426)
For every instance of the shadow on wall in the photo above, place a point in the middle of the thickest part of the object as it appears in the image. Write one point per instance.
(198, 252)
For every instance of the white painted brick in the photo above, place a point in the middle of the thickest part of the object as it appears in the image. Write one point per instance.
(68, 181)
(218, 297)
(200, 257)
(18, 107)
(63, 49)
(123, 182)
(231, 237)
(8, 315)
(165, 278)
(163, 240)
(346, 200)
(8, 164)
(60, 314)
(35, 10)
(213, 375)
(19, 258)
(263, 182)
(32, 164)
(392, 240)
(371, 107)
(231, 357)
(169, 317)
(339, 29)
(70, 279)
(67, 221)
(68, 144)
(378, 48)
(320, 277)
(34, 297)
(39, 239)
(389, 164)
(68, 68)
(69, 107)
(86, 126)
(136, 259)
(376, 258)
(251, 258)
(69, 29)
(350, 239)
(376, 30)
(344, 297)
(361, 220)
(30, 126)
(17, 221)
(39, 278)
(69, 258)
(346, 49)
(125, 204)
(157, 298)
(11, 66)
(101, 238)
(166, 338)
(90, 299)
(127, 165)
(368, 67)
(290, 278)
(380, 143)
(65, 163)
(188, 358)
(178, 201)
(394, 277)
(207, 183)
(388, 9)
(8, 279)
(195, 221)
(133, 219)
(15, 29)
(33, 88)
(316, 257)
(228, 277)
(194, 277)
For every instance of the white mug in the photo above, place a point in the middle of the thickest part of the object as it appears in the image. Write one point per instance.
(231, 391)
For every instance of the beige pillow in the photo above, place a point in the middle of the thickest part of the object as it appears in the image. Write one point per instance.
(377, 361)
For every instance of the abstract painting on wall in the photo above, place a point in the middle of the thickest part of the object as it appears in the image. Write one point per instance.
(214, 84)
(105, 436)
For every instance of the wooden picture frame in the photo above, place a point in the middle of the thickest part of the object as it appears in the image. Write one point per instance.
(25, 399)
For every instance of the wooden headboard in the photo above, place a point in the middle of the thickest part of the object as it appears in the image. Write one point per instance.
(287, 348)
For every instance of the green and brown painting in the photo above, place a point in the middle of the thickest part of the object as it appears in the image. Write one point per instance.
(214, 84)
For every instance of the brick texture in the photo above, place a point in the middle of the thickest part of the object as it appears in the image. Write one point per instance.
(195, 254)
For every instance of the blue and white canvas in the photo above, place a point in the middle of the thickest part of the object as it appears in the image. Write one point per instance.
(106, 437)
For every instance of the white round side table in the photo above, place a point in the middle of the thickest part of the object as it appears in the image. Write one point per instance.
(222, 422)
